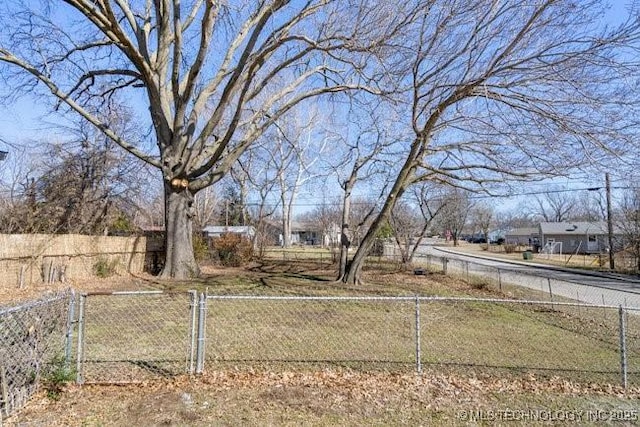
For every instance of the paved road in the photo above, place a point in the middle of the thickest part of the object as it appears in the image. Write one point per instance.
(593, 288)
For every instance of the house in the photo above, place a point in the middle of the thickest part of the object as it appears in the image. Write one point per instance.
(575, 237)
(527, 236)
(308, 233)
(215, 231)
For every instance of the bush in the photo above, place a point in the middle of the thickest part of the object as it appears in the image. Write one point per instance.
(509, 248)
(103, 268)
(377, 249)
(200, 248)
(58, 374)
(233, 250)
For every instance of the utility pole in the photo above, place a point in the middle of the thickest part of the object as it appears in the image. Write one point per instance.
(609, 221)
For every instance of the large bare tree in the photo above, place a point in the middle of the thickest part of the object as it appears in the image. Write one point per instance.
(361, 162)
(209, 77)
(556, 205)
(482, 218)
(505, 90)
(295, 150)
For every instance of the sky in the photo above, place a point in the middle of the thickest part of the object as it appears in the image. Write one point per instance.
(26, 122)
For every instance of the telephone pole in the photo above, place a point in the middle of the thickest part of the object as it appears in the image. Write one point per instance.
(609, 221)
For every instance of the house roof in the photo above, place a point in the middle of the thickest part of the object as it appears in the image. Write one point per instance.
(573, 228)
(302, 226)
(219, 229)
(524, 231)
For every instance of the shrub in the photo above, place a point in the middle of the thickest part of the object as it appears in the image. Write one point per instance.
(103, 268)
(509, 248)
(233, 250)
(200, 248)
(58, 374)
(377, 249)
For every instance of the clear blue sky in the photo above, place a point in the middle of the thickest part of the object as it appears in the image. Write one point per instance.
(26, 121)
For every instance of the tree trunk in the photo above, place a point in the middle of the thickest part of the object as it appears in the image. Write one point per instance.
(180, 262)
(403, 248)
(286, 229)
(345, 235)
(354, 268)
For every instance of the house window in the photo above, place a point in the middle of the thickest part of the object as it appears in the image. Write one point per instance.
(551, 241)
(592, 239)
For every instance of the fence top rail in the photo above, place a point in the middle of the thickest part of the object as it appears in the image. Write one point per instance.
(123, 293)
(37, 303)
(413, 298)
(313, 298)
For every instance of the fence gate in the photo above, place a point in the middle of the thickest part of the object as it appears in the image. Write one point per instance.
(135, 336)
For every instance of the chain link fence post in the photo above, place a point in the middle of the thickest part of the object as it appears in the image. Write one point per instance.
(202, 316)
(80, 344)
(623, 346)
(70, 325)
(193, 312)
(418, 344)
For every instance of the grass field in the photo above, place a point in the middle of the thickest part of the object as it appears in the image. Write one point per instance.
(344, 362)
(142, 336)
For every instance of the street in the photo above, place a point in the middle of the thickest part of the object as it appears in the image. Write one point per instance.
(587, 287)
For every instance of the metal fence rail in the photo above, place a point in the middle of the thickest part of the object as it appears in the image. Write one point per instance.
(35, 341)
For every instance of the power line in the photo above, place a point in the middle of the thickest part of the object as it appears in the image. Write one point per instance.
(476, 196)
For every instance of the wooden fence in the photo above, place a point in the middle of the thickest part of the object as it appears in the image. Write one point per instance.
(31, 259)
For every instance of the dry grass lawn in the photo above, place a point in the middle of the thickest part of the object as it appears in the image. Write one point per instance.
(334, 395)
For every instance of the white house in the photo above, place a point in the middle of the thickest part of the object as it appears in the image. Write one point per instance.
(215, 231)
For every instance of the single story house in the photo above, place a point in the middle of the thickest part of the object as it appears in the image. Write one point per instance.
(306, 233)
(215, 231)
(575, 237)
(523, 236)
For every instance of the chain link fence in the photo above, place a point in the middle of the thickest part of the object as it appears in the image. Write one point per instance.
(467, 335)
(519, 281)
(134, 336)
(35, 342)
(320, 330)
